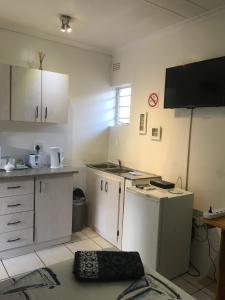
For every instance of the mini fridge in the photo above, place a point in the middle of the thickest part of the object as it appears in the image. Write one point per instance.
(157, 223)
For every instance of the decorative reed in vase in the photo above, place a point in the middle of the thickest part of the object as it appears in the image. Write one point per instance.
(41, 56)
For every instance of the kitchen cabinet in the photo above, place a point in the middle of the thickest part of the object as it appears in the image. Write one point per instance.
(25, 94)
(16, 213)
(38, 96)
(105, 196)
(5, 92)
(53, 207)
(54, 97)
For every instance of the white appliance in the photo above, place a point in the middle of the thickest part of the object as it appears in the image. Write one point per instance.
(158, 225)
(56, 157)
(33, 160)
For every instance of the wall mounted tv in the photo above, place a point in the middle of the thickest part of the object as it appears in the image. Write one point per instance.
(200, 84)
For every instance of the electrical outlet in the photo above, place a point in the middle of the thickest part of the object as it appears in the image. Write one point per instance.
(40, 144)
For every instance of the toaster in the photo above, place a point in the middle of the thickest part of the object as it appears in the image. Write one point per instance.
(33, 160)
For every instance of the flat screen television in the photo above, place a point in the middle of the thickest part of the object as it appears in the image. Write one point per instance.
(200, 84)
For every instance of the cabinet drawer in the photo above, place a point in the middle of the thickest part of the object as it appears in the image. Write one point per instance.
(16, 187)
(16, 221)
(13, 204)
(16, 239)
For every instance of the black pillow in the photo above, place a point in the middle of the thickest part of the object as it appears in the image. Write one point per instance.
(107, 265)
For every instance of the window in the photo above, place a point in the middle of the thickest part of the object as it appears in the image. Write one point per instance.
(123, 98)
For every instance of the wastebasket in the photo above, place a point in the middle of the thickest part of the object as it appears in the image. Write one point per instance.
(79, 210)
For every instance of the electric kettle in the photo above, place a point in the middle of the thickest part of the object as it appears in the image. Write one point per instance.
(56, 157)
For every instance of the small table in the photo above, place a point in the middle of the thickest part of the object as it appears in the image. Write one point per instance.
(219, 223)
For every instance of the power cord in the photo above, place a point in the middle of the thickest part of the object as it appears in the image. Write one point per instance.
(206, 239)
(179, 180)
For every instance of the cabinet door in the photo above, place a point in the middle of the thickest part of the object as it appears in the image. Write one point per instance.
(53, 207)
(4, 92)
(105, 201)
(54, 97)
(110, 205)
(25, 94)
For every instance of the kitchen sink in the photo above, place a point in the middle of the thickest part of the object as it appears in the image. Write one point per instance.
(119, 170)
(106, 165)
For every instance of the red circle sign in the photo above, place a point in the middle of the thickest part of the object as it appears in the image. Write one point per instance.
(153, 100)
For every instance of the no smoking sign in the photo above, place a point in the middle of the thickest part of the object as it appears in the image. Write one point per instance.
(153, 100)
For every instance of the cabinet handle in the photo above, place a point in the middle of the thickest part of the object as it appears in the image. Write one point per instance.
(46, 112)
(14, 205)
(13, 187)
(36, 113)
(101, 185)
(14, 223)
(14, 240)
(106, 186)
(40, 187)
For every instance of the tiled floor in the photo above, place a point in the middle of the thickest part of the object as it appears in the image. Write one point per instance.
(87, 239)
(199, 288)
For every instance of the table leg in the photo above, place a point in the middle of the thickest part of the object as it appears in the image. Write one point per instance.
(221, 276)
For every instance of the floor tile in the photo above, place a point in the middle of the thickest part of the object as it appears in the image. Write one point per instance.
(102, 242)
(89, 232)
(78, 236)
(111, 249)
(3, 273)
(186, 286)
(83, 245)
(22, 264)
(211, 290)
(54, 255)
(198, 281)
(202, 296)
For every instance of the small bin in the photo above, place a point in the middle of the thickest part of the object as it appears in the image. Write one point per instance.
(79, 210)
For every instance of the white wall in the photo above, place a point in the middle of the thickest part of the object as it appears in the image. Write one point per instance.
(85, 136)
(143, 65)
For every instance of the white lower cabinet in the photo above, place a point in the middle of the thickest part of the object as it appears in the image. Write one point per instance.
(105, 200)
(53, 207)
(16, 213)
(16, 238)
(16, 221)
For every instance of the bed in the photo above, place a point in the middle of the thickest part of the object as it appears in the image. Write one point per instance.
(58, 282)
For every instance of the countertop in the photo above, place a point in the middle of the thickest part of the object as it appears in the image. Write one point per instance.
(128, 175)
(37, 172)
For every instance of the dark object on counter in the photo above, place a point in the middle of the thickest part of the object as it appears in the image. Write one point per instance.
(162, 184)
(107, 265)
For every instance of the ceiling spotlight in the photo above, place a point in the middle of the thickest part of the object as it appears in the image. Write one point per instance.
(65, 27)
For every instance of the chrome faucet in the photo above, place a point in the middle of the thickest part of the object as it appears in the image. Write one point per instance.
(120, 163)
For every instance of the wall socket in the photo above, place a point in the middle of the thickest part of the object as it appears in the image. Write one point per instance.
(40, 144)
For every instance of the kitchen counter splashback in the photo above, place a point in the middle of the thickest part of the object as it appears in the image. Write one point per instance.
(37, 172)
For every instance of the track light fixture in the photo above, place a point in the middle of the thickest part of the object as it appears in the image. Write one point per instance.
(65, 27)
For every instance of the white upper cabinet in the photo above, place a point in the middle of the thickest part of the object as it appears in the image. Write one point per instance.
(4, 92)
(38, 96)
(25, 94)
(54, 97)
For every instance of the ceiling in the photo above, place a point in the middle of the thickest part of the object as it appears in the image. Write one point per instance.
(99, 24)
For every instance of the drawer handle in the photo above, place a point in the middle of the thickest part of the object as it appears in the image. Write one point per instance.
(14, 240)
(101, 187)
(14, 223)
(14, 205)
(14, 187)
(106, 187)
